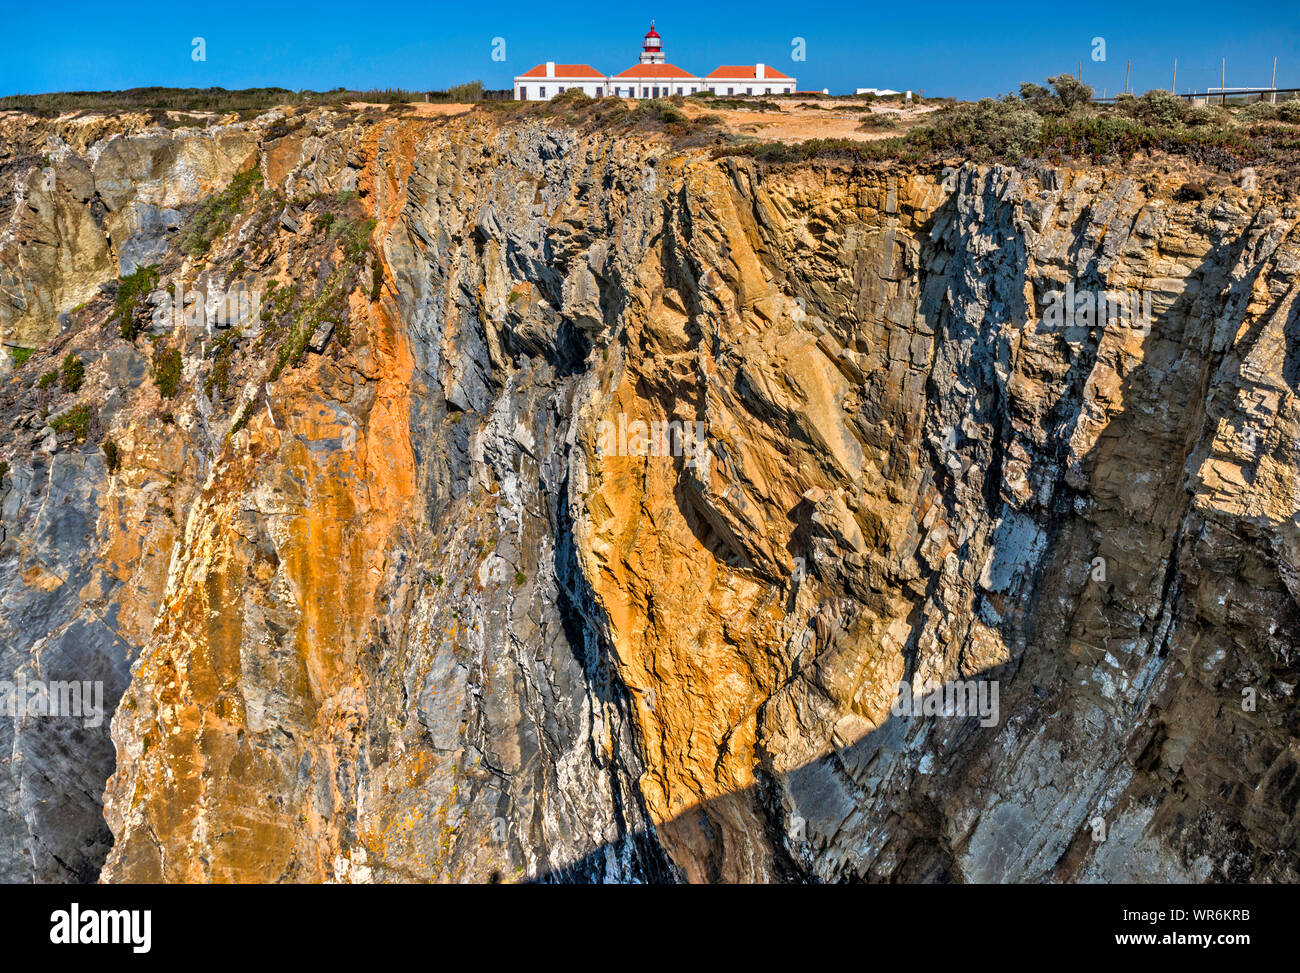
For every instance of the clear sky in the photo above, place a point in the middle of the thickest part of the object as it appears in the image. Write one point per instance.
(940, 47)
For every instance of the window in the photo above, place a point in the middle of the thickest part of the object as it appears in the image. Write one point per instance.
(749, 91)
(541, 92)
(645, 92)
(599, 91)
(731, 91)
(560, 90)
(681, 90)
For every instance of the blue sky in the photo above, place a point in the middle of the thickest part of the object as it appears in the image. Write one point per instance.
(942, 48)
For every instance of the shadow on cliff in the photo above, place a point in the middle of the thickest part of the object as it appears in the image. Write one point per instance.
(825, 793)
(1128, 499)
(1041, 679)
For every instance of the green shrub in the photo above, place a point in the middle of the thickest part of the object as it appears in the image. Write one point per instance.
(20, 356)
(217, 385)
(1066, 93)
(876, 122)
(352, 235)
(1260, 111)
(132, 291)
(245, 414)
(573, 96)
(987, 129)
(76, 421)
(1156, 107)
(167, 371)
(74, 373)
(214, 214)
(47, 379)
(112, 456)
(742, 104)
(4, 470)
(331, 304)
(1207, 115)
(1070, 91)
(1289, 111)
(462, 93)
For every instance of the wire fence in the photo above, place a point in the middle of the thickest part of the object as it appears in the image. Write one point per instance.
(1229, 97)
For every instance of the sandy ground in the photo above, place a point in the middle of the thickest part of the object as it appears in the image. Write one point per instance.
(795, 123)
(798, 120)
(422, 108)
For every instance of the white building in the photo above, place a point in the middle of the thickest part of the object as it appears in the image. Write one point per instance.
(654, 81)
(550, 79)
(652, 77)
(749, 79)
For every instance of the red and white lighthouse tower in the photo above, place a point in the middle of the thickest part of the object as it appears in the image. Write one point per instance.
(652, 51)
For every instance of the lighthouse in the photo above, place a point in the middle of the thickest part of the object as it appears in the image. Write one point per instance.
(653, 77)
(652, 51)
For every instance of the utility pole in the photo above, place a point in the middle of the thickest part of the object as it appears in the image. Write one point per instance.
(1272, 95)
(1174, 89)
(1127, 65)
(1080, 70)
(1223, 79)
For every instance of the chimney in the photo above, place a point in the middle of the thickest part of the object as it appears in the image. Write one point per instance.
(758, 71)
(550, 69)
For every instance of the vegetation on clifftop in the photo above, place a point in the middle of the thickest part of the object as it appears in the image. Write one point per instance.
(1060, 122)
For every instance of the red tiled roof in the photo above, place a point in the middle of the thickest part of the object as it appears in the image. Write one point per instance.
(748, 72)
(564, 71)
(655, 71)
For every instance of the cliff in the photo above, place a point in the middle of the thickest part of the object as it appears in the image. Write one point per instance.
(376, 596)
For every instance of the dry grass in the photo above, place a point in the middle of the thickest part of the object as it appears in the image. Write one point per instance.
(832, 119)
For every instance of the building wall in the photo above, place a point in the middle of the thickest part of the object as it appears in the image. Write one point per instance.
(751, 86)
(544, 89)
(659, 88)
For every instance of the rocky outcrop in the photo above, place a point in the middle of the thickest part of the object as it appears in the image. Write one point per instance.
(82, 213)
(611, 490)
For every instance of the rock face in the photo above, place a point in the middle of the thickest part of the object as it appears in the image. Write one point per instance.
(80, 216)
(578, 518)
